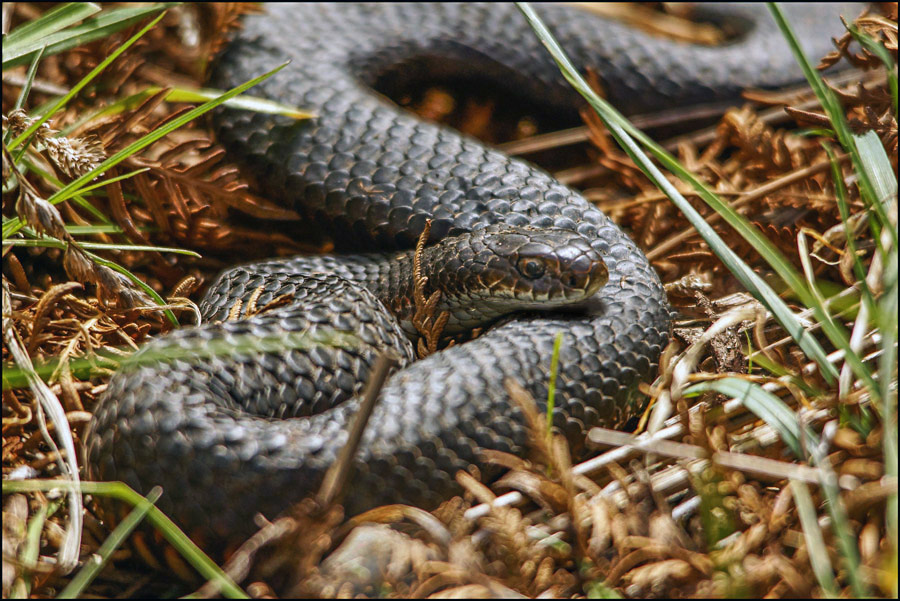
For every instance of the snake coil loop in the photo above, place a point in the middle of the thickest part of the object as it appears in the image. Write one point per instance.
(371, 175)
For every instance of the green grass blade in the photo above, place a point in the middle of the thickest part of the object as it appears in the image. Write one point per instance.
(14, 225)
(244, 344)
(83, 367)
(32, 35)
(98, 561)
(844, 208)
(883, 55)
(835, 114)
(50, 178)
(620, 128)
(99, 27)
(803, 442)
(884, 179)
(817, 297)
(815, 542)
(554, 367)
(247, 103)
(156, 518)
(29, 79)
(32, 545)
(51, 242)
(846, 541)
(81, 84)
(766, 406)
(87, 230)
(886, 318)
(250, 103)
(877, 165)
(136, 281)
(106, 182)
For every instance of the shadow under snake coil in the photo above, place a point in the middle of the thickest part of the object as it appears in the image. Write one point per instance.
(229, 435)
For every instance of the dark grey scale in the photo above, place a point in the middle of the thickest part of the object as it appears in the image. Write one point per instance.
(372, 175)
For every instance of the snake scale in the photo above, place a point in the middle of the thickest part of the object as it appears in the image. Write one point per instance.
(229, 435)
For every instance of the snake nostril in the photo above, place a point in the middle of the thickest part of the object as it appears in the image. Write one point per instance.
(571, 281)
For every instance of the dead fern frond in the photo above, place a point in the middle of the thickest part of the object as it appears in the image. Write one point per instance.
(761, 147)
(429, 325)
(187, 187)
(509, 531)
(881, 29)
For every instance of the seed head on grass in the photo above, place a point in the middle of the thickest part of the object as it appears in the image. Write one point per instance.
(73, 155)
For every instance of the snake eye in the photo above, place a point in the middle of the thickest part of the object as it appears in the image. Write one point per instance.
(531, 268)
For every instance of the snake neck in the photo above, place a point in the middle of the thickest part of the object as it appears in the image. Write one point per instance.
(396, 290)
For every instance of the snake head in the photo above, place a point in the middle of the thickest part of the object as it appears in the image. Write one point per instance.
(488, 273)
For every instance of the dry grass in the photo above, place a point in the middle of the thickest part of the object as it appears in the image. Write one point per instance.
(700, 508)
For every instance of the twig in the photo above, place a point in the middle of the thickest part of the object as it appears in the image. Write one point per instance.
(238, 566)
(337, 474)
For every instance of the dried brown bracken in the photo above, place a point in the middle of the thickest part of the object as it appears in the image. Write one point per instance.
(428, 323)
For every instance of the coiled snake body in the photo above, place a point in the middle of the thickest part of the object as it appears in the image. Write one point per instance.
(229, 435)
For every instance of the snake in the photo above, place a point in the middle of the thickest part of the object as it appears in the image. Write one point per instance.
(253, 430)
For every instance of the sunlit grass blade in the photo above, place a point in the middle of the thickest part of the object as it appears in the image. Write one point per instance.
(98, 560)
(87, 230)
(248, 103)
(50, 242)
(176, 94)
(14, 377)
(623, 131)
(764, 404)
(81, 84)
(29, 79)
(106, 182)
(883, 55)
(877, 165)
(94, 28)
(551, 390)
(32, 35)
(815, 542)
(14, 225)
(156, 518)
